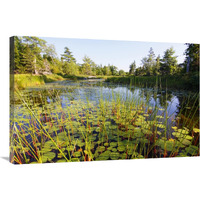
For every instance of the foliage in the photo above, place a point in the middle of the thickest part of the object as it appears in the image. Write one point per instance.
(67, 56)
(122, 72)
(186, 82)
(169, 62)
(192, 52)
(22, 81)
(47, 128)
(132, 68)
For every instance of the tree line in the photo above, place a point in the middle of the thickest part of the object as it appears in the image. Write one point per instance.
(33, 55)
(168, 64)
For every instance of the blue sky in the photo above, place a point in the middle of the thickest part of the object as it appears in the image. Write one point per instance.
(118, 53)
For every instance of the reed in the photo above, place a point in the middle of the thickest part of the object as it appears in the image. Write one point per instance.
(47, 128)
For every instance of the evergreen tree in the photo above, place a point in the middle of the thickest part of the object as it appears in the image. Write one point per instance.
(149, 62)
(169, 62)
(192, 53)
(132, 68)
(67, 56)
(156, 68)
(27, 60)
(17, 55)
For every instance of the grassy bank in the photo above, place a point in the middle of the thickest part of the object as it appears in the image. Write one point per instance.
(22, 81)
(27, 80)
(187, 82)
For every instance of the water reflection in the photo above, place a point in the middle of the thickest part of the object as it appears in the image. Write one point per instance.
(176, 103)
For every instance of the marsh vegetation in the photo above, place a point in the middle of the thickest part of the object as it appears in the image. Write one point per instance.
(89, 120)
(65, 111)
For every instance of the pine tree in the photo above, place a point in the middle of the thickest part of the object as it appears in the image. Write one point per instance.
(132, 68)
(27, 59)
(67, 56)
(192, 53)
(169, 62)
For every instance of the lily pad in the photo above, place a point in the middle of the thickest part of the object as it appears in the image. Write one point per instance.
(101, 148)
(192, 150)
(113, 144)
(185, 141)
(75, 160)
(121, 148)
(114, 155)
(48, 156)
(123, 156)
(183, 131)
(196, 130)
(114, 149)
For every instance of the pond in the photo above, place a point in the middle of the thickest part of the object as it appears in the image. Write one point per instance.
(90, 120)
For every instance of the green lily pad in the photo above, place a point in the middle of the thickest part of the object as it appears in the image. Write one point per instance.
(61, 160)
(121, 148)
(185, 141)
(113, 144)
(123, 156)
(101, 148)
(104, 156)
(75, 160)
(140, 156)
(114, 149)
(109, 148)
(196, 130)
(183, 131)
(160, 125)
(114, 155)
(106, 144)
(176, 134)
(48, 156)
(192, 150)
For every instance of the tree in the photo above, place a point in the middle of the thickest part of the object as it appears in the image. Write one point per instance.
(156, 68)
(106, 71)
(36, 46)
(149, 62)
(99, 70)
(67, 56)
(50, 53)
(19, 68)
(87, 66)
(113, 70)
(27, 60)
(132, 68)
(70, 68)
(169, 62)
(122, 72)
(192, 53)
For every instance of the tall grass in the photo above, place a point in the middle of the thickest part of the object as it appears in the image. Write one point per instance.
(186, 81)
(22, 81)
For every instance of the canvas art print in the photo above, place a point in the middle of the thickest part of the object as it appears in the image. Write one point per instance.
(77, 100)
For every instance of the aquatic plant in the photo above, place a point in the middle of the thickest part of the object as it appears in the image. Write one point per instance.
(81, 125)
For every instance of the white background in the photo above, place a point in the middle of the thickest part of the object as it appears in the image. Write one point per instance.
(156, 21)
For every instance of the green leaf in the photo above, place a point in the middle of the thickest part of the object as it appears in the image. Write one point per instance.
(114, 155)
